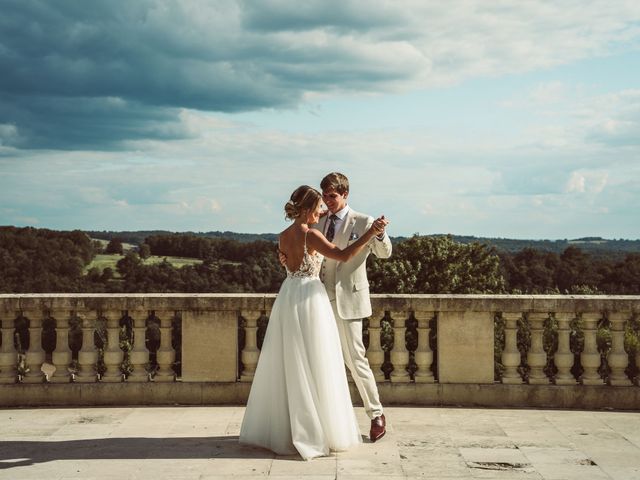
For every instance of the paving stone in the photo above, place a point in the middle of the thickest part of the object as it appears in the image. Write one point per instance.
(622, 473)
(563, 463)
(369, 477)
(441, 463)
(498, 463)
(296, 466)
(185, 443)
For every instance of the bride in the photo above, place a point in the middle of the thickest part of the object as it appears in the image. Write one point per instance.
(299, 399)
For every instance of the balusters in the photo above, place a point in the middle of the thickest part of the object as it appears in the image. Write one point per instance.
(423, 354)
(375, 354)
(165, 355)
(139, 355)
(61, 356)
(511, 355)
(88, 355)
(250, 353)
(113, 354)
(618, 358)
(35, 356)
(8, 353)
(537, 357)
(399, 353)
(563, 357)
(566, 312)
(590, 357)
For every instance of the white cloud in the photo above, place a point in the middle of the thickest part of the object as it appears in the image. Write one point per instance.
(586, 182)
(561, 152)
(576, 183)
(126, 70)
(8, 134)
(27, 220)
(614, 118)
(200, 205)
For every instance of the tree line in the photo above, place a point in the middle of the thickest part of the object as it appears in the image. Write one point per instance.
(41, 260)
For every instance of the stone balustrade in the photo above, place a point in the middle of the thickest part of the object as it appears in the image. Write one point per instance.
(492, 350)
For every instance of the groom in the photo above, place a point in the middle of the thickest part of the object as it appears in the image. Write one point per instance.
(348, 289)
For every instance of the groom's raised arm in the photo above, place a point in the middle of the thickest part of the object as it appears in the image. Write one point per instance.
(381, 245)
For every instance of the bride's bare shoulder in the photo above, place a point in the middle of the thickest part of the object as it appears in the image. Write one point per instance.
(315, 238)
(290, 236)
(313, 233)
(287, 232)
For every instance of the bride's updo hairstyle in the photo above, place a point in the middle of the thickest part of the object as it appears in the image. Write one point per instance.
(303, 198)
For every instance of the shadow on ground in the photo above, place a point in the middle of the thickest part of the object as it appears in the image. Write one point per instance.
(23, 452)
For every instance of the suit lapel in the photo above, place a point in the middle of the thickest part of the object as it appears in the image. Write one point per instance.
(321, 224)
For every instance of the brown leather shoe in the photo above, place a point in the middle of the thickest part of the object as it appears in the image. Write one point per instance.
(378, 428)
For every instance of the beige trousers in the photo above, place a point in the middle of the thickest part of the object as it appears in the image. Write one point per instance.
(354, 358)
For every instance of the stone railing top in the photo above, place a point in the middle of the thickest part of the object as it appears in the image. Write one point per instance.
(264, 301)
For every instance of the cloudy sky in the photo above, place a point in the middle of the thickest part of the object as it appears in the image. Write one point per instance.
(515, 119)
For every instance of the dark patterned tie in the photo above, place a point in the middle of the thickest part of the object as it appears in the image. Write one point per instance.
(331, 231)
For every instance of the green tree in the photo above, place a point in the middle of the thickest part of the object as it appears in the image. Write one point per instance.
(144, 251)
(107, 274)
(128, 266)
(114, 247)
(576, 270)
(531, 271)
(437, 265)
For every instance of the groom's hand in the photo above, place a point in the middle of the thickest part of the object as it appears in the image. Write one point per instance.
(379, 225)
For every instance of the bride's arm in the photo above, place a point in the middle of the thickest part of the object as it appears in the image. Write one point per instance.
(318, 242)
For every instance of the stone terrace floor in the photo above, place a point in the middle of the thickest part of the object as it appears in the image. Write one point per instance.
(185, 443)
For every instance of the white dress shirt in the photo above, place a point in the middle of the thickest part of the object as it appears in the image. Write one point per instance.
(341, 214)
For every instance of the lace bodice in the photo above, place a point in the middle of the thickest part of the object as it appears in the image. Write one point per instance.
(310, 266)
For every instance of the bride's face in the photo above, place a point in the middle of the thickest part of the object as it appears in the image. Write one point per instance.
(313, 216)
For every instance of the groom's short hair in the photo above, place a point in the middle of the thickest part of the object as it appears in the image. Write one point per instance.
(336, 181)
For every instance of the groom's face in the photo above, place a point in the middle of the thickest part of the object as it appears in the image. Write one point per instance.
(333, 200)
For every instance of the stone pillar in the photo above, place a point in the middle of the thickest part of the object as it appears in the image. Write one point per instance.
(113, 354)
(563, 358)
(590, 357)
(618, 358)
(8, 353)
(511, 355)
(209, 346)
(61, 356)
(465, 347)
(375, 354)
(88, 355)
(537, 357)
(250, 352)
(139, 355)
(165, 355)
(399, 353)
(35, 356)
(424, 354)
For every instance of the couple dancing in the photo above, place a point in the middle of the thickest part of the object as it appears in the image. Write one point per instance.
(299, 400)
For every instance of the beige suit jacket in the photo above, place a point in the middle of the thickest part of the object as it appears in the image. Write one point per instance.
(351, 284)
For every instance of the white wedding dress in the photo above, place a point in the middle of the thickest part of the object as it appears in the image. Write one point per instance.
(299, 399)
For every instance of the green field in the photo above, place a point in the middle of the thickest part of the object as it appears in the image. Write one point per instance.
(102, 261)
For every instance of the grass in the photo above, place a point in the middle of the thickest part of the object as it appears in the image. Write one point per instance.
(102, 261)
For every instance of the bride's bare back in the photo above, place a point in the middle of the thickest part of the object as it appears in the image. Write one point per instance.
(292, 241)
